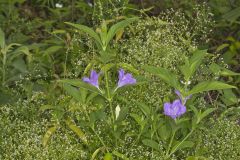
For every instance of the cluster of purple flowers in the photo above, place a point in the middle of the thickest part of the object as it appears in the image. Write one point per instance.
(123, 79)
(177, 108)
(173, 110)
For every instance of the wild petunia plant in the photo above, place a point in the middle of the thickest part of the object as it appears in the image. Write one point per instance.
(175, 132)
(92, 85)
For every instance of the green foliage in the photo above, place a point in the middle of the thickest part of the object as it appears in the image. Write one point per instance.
(219, 142)
(54, 115)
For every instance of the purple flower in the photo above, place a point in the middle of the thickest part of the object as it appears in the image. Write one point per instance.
(174, 110)
(183, 99)
(125, 79)
(93, 80)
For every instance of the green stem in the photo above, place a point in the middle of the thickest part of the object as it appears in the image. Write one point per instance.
(100, 139)
(94, 131)
(4, 67)
(109, 98)
(181, 142)
(170, 144)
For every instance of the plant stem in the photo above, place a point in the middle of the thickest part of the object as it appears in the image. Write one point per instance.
(181, 142)
(100, 139)
(4, 67)
(109, 98)
(170, 144)
(94, 131)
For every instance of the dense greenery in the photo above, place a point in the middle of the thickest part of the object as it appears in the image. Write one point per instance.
(119, 79)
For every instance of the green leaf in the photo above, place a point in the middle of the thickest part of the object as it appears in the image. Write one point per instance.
(52, 50)
(48, 134)
(80, 84)
(137, 118)
(77, 130)
(206, 113)
(120, 155)
(95, 153)
(87, 30)
(208, 86)
(2, 39)
(196, 158)
(229, 97)
(144, 108)
(232, 15)
(164, 74)
(117, 27)
(222, 71)
(108, 156)
(151, 143)
(165, 131)
(73, 91)
(221, 47)
(46, 107)
(182, 145)
(128, 67)
(190, 66)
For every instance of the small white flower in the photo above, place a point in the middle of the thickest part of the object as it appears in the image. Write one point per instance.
(58, 5)
(117, 111)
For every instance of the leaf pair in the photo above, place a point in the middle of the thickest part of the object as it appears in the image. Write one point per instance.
(104, 36)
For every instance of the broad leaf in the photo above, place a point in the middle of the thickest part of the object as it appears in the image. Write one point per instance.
(73, 91)
(208, 86)
(144, 108)
(164, 74)
(182, 145)
(222, 71)
(151, 143)
(77, 130)
(87, 30)
(80, 84)
(190, 66)
(117, 27)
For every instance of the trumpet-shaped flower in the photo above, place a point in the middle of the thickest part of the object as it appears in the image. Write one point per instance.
(174, 110)
(125, 79)
(93, 79)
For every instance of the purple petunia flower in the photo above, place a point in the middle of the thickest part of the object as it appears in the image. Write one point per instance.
(174, 110)
(125, 79)
(93, 80)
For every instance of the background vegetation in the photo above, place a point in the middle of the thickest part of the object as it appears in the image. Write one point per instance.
(42, 119)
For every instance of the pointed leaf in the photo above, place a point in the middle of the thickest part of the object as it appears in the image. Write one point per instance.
(206, 113)
(73, 91)
(87, 30)
(2, 39)
(117, 27)
(208, 86)
(48, 134)
(120, 155)
(95, 153)
(77, 130)
(182, 145)
(151, 143)
(79, 83)
(164, 74)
